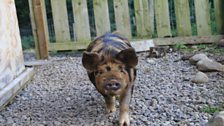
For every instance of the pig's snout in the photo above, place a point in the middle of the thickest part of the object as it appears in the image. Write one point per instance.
(112, 85)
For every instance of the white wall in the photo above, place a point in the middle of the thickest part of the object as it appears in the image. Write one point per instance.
(11, 56)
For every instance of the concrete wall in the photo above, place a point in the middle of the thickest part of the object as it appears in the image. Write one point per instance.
(11, 56)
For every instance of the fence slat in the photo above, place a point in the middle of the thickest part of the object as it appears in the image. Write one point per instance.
(60, 16)
(151, 16)
(34, 31)
(102, 19)
(142, 18)
(81, 18)
(45, 19)
(219, 15)
(122, 17)
(202, 12)
(182, 12)
(162, 18)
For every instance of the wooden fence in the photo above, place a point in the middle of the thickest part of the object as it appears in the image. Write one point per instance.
(151, 19)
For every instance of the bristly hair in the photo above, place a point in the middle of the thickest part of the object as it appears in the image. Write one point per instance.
(109, 44)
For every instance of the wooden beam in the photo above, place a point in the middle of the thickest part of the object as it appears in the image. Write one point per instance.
(147, 42)
(219, 15)
(59, 46)
(40, 29)
(188, 40)
(34, 31)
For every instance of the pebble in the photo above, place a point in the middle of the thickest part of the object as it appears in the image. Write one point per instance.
(61, 94)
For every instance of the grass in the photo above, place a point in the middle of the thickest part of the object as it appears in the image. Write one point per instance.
(210, 48)
(212, 109)
(27, 42)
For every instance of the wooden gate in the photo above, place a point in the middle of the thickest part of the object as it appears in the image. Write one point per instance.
(74, 25)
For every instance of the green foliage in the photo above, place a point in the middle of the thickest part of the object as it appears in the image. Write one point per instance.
(27, 42)
(212, 109)
(210, 48)
(180, 46)
(216, 49)
(22, 11)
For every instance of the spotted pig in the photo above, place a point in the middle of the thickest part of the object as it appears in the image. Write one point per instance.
(110, 62)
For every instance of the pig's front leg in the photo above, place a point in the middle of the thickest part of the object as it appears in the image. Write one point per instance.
(110, 104)
(124, 108)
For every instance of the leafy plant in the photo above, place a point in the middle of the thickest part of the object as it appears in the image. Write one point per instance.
(180, 46)
(212, 109)
(27, 42)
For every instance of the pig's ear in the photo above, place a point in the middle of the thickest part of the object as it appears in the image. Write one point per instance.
(90, 60)
(128, 56)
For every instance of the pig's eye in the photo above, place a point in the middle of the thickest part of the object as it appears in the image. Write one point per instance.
(100, 72)
(121, 68)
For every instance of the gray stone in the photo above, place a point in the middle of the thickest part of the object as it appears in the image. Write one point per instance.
(221, 43)
(200, 77)
(151, 60)
(194, 59)
(61, 91)
(208, 65)
(217, 119)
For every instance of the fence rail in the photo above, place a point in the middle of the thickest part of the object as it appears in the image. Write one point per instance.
(75, 24)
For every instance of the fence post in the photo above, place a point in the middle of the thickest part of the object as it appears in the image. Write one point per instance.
(39, 30)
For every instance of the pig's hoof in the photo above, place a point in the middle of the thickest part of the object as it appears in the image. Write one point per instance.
(124, 120)
(111, 109)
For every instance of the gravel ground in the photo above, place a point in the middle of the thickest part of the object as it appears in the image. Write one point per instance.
(61, 95)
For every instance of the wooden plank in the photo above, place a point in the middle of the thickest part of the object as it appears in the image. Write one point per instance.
(68, 46)
(34, 32)
(219, 15)
(182, 13)
(45, 19)
(142, 45)
(81, 19)
(36, 63)
(102, 19)
(142, 18)
(151, 16)
(40, 29)
(41, 33)
(202, 12)
(60, 17)
(12, 89)
(162, 18)
(122, 17)
(146, 42)
(188, 40)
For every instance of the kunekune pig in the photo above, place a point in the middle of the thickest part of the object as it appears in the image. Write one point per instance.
(110, 62)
